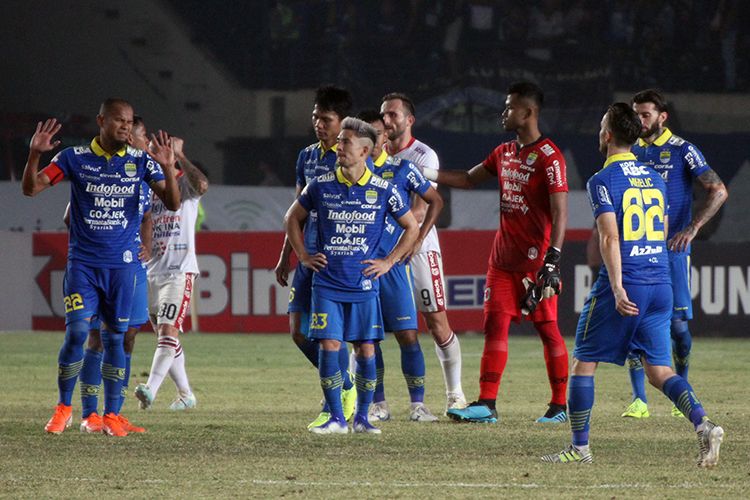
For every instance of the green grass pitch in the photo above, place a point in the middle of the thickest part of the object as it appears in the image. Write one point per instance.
(256, 393)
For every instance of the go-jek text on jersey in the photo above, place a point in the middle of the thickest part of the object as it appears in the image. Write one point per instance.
(637, 195)
(104, 201)
(351, 222)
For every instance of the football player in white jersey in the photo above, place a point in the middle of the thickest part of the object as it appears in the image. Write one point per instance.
(426, 262)
(171, 273)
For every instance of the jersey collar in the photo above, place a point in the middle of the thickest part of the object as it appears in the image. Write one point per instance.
(98, 151)
(323, 149)
(619, 157)
(380, 160)
(361, 182)
(660, 141)
(394, 153)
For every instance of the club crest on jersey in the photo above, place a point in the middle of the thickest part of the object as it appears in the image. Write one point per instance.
(533, 253)
(531, 158)
(387, 175)
(371, 196)
(665, 156)
(130, 169)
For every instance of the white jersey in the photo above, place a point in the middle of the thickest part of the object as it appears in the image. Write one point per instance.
(173, 249)
(422, 155)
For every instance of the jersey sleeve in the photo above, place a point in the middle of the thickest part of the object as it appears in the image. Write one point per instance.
(555, 168)
(299, 171)
(59, 167)
(309, 195)
(694, 160)
(146, 197)
(396, 205)
(153, 171)
(415, 180)
(599, 196)
(490, 163)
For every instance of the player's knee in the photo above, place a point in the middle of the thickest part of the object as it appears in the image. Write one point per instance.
(681, 334)
(406, 337)
(95, 341)
(129, 341)
(75, 336)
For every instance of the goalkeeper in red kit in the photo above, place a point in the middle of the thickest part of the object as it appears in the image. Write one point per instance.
(523, 277)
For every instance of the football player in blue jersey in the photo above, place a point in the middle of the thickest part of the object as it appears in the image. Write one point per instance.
(396, 289)
(679, 163)
(352, 205)
(105, 180)
(331, 105)
(630, 306)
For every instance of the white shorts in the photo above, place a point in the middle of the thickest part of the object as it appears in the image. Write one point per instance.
(429, 283)
(169, 298)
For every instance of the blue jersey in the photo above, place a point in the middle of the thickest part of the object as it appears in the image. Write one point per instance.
(312, 162)
(408, 179)
(678, 162)
(636, 194)
(144, 205)
(351, 222)
(104, 201)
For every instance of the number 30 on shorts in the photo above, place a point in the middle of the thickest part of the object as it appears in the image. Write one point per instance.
(73, 302)
(168, 311)
(641, 209)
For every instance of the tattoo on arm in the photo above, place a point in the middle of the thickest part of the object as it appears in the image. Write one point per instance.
(710, 177)
(198, 181)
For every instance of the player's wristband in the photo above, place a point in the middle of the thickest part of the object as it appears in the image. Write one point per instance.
(431, 174)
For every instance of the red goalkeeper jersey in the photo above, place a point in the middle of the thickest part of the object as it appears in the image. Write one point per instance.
(526, 176)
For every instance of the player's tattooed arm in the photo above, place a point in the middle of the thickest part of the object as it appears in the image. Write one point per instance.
(461, 179)
(716, 196)
(197, 179)
(33, 181)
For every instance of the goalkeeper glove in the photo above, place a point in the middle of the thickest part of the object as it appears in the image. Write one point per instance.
(532, 297)
(548, 277)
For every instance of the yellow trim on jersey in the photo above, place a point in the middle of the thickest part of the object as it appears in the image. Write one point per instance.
(98, 151)
(362, 180)
(380, 161)
(660, 141)
(588, 317)
(323, 149)
(618, 157)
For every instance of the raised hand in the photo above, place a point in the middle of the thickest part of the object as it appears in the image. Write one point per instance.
(41, 141)
(160, 149)
(177, 145)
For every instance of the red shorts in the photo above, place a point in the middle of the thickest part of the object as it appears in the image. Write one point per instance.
(503, 292)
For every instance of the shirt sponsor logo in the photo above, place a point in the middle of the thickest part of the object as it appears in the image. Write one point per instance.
(547, 150)
(110, 189)
(91, 168)
(645, 250)
(630, 168)
(350, 228)
(515, 175)
(603, 195)
(349, 217)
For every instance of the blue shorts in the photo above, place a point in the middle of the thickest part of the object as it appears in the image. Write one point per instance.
(397, 300)
(299, 294)
(345, 321)
(679, 267)
(89, 290)
(603, 335)
(139, 311)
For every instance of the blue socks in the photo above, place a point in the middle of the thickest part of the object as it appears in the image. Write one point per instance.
(682, 342)
(366, 380)
(637, 377)
(344, 365)
(331, 382)
(380, 372)
(580, 402)
(91, 379)
(113, 370)
(124, 391)
(681, 393)
(70, 359)
(412, 365)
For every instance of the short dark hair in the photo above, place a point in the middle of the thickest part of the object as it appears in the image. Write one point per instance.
(653, 96)
(408, 103)
(623, 123)
(336, 99)
(138, 121)
(528, 90)
(112, 102)
(370, 115)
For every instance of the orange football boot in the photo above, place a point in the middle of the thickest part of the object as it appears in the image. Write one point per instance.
(112, 426)
(129, 427)
(92, 423)
(61, 419)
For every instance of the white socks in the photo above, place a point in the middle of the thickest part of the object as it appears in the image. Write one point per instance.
(449, 355)
(178, 374)
(166, 350)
